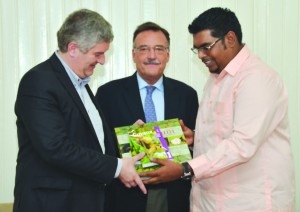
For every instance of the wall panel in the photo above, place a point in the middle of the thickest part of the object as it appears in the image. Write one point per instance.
(260, 16)
(135, 15)
(180, 36)
(9, 80)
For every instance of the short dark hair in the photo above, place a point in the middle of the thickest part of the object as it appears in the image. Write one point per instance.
(219, 20)
(152, 27)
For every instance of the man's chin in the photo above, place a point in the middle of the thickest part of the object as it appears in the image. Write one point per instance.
(214, 71)
(89, 73)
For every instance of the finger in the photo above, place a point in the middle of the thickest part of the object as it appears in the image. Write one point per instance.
(148, 174)
(189, 142)
(159, 161)
(182, 124)
(153, 180)
(140, 183)
(139, 122)
(139, 156)
(127, 185)
(155, 160)
(133, 184)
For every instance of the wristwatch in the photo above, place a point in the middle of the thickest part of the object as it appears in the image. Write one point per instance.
(187, 171)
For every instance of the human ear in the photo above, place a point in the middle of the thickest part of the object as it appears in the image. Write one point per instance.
(72, 47)
(231, 39)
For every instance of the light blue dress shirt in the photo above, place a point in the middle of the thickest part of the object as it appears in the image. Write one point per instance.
(157, 96)
(92, 111)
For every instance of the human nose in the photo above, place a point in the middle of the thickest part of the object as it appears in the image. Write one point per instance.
(101, 60)
(151, 53)
(201, 54)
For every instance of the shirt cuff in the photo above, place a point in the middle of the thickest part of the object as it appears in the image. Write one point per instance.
(119, 167)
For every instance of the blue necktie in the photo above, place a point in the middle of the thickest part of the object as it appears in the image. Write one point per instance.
(149, 105)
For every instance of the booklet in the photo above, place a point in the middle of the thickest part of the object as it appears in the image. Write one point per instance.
(162, 139)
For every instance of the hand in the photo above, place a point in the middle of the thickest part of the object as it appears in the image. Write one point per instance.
(128, 174)
(168, 171)
(139, 122)
(188, 133)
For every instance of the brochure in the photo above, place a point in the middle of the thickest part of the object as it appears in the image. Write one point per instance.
(162, 139)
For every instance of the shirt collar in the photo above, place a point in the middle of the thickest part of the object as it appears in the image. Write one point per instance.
(142, 83)
(77, 81)
(234, 65)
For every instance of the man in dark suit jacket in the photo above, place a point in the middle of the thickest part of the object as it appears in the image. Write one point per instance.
(122, 103)
(65, 154)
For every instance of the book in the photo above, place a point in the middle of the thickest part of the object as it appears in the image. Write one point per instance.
(161, 139)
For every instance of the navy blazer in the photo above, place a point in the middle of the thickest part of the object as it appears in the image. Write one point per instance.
(121, 103)
(60, 164)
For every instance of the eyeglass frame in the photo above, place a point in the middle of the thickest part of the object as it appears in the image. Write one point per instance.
(155, 49)
(197, 50)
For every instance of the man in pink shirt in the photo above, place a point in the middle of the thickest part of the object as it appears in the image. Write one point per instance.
(242, 153)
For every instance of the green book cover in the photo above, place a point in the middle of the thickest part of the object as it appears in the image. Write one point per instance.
(162, 139)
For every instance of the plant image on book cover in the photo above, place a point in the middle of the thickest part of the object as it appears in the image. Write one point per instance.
(162, 139)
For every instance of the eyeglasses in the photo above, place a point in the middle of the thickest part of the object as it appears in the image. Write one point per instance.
(205, 49)
(158, 50)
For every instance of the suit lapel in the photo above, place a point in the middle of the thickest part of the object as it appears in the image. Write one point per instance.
(171, 98)
(133, 99)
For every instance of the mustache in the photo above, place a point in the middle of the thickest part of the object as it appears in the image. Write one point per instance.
(153, 62)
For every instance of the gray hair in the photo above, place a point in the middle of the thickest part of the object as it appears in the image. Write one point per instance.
(85, 27)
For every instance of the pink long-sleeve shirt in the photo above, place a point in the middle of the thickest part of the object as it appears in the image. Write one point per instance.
(242, 154)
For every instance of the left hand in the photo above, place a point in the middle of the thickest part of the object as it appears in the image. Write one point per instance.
(169, 171)
(188, 133)
(139, 122)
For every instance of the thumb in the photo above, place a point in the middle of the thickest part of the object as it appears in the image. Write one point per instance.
(182, 124)
(138, 156)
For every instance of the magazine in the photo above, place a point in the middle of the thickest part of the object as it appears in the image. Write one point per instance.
(162, 139)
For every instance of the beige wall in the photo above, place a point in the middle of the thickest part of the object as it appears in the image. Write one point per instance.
(28, 36)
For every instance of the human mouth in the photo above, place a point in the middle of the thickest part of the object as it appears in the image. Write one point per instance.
(207, 62)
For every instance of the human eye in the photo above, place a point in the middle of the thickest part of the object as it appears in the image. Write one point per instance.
(143, 49)
(159, 49)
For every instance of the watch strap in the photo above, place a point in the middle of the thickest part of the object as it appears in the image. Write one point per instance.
(187, 174)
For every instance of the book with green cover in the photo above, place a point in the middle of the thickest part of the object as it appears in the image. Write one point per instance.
(162, 139)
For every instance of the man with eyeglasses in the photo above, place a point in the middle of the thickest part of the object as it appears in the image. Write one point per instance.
(123, 102)
(242, 154)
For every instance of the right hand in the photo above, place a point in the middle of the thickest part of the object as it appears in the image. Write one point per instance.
(169, 171)
(128, 175)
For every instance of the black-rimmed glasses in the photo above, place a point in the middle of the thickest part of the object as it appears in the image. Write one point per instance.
(197, 50)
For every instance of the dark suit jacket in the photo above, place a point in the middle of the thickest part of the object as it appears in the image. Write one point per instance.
(60, 165)
(121, 103)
